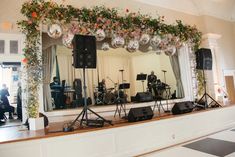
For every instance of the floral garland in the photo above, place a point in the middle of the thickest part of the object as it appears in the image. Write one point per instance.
(90, 21)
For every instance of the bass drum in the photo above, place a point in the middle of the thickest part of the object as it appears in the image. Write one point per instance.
(109, 98)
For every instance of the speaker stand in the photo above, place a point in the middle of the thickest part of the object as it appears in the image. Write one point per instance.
(88, 122)
(206, 95)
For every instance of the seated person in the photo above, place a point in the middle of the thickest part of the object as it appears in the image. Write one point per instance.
(5, 105)
(1, 113)
(102, 86)
(55, 83)
(57, 94)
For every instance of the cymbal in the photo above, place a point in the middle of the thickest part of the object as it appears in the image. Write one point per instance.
(121, 70)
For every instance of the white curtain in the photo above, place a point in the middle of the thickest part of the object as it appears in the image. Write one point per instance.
(176, 69)
(48, 64)
(108, 67)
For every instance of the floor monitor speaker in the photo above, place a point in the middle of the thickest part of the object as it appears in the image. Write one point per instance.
(144, 97)
(182, 107)
(140, 113)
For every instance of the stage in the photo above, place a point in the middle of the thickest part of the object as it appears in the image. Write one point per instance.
(121, 139)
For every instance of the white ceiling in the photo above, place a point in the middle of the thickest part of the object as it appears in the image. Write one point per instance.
(224, 9)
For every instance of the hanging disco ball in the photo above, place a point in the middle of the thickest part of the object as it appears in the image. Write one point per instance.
(155, 41)
(170, 51)
(133, 46)
(144, 39)
(54, 31)
(67, 40)
(118, 41)
(105, 46)
(150, 48)
(100, 35)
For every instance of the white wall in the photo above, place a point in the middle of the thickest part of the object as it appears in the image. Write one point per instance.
(129, 140)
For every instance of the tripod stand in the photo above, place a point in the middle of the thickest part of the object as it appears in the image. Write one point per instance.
(121, 100)
(88, 122)
(167, 94)
(206, 95)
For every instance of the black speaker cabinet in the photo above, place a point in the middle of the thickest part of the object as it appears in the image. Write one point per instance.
(140, 113)
(204, 59)
(84, 51)
(143, 97)
(182, 107)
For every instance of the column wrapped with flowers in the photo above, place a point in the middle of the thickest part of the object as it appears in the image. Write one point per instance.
(32, 61)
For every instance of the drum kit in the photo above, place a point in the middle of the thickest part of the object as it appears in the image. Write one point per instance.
(106, 96)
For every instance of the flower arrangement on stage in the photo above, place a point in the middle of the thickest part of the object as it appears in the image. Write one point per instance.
(128, 29)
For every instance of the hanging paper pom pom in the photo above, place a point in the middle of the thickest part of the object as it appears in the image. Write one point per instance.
(54, 31)
(100, 35)
(144, 39)
(133, 46)
(105, 46)
(67, 40)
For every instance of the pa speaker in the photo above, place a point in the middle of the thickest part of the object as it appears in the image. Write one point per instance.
(84, 51)
(144, 96)
(140, 113)
(182, 107)
(204, 59)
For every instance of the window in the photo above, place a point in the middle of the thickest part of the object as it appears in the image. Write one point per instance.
(2, 46)
(13, 46)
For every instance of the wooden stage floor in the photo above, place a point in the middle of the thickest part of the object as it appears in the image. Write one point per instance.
(21, 133)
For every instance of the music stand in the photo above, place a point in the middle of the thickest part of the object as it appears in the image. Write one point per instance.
(142, 78)
(120, 102)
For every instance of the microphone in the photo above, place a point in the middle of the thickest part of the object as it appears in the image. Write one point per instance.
(163, 70)
(121, 70)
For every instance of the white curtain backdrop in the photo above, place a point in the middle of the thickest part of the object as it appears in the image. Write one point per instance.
(176, 69)
(48, 64)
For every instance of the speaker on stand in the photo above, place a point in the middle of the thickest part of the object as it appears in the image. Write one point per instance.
(84, 56)
(204, 62)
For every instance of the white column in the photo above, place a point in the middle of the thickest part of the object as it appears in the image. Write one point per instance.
(212, 76)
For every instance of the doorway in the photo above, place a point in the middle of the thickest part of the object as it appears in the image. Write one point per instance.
(229, 81)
